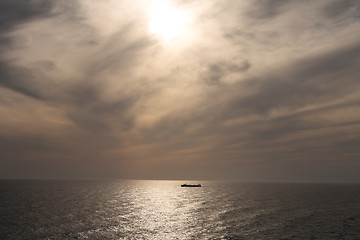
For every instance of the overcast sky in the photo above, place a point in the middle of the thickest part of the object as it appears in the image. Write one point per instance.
(249, 90)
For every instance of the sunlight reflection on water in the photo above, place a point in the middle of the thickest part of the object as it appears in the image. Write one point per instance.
(165, 210)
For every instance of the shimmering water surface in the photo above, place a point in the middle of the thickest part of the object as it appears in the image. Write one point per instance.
(164, 210)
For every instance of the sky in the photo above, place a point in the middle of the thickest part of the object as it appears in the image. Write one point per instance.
(249, 90)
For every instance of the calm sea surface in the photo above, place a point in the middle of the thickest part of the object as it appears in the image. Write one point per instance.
(164, 210)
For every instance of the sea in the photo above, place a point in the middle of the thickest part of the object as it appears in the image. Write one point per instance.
(64, 209)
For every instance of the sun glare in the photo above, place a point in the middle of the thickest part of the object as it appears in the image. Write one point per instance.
(168, 22)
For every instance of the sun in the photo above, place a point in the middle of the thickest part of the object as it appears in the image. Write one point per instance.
(167, 21)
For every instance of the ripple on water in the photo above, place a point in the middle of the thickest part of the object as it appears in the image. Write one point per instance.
(164, 210)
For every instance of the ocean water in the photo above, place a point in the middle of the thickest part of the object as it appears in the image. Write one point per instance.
(164, 210)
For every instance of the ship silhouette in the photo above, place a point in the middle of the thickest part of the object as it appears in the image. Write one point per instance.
(191, 185)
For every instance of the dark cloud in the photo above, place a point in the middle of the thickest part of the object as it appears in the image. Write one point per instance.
(313, 80)
(217, 71)
(81, 101)
(266, 9)
(20, 80)
(13, 12)
(337, 8)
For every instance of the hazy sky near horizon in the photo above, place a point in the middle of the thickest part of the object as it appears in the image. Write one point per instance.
(264, 90)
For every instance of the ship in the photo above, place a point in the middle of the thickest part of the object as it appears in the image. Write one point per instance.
(191, 185)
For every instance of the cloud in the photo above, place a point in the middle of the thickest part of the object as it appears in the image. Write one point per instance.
(291, 115)
(256, 90)
(218, 71)
(312, 80)
(266, 9)
(14, 12)
(337, 8)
